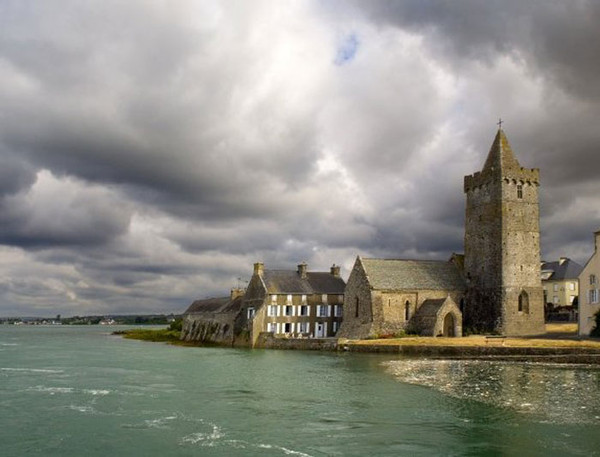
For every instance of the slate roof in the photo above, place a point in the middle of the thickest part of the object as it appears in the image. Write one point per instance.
(214, 305)
(568, 270)
(393, 274)
(290, 282)
(430, 307)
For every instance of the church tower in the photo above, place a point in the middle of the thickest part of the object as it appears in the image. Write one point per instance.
(502, 246)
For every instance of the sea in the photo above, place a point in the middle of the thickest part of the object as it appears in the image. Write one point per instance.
(81, 391)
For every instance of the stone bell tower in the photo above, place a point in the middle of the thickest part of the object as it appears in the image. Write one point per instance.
(502, 246)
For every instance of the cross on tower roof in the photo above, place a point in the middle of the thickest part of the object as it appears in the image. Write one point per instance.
(499, 124)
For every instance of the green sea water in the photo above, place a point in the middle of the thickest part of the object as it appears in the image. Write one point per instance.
(79, 391)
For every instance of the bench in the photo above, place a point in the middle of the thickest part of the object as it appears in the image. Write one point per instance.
(495, 340)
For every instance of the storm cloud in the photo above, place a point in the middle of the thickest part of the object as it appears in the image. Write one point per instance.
(150, 152)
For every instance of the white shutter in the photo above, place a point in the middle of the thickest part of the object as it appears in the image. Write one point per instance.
(329, 311)
(278, 327)
(292, 328)
(308, 310)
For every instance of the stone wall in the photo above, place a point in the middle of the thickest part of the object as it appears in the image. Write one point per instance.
(220, 329)
(358, 317)
(268, 341)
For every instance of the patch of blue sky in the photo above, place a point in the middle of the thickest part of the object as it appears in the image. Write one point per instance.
(347, 49)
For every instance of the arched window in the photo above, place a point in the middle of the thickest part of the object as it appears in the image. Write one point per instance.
(524, 302)
(407, 310)
(356, 310)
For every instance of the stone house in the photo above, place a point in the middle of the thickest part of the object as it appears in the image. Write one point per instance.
(294, 303)
(589, 283)
(216, 321)
(388, 296)
(560, 281)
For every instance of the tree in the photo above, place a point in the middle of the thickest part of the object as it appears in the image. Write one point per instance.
(596, 330)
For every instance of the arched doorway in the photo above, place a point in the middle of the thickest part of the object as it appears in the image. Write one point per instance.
(449, 325)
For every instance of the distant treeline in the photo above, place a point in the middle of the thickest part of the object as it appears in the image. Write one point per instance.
(151, 319)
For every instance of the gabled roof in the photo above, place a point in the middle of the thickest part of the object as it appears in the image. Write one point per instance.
(214, 305)
(501, 157)
(568, 269)
(394, 274)
(430, 307)
(290, 282)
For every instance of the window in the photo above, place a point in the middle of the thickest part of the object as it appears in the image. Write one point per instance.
(250, 313)
(571, 286)
(289, 310)
(555, 287)
(340, 298)
(272, 310)
(555, 300)
(324, 298)
(407, 310)
(303, 299)
(335, 327)
(303, 310)
(273, 298)
(287, 327)
(592, 279)
(303, 327)
(271, 327)
(288, 299)
(519, 191)
(593, 296)
(338, 311)
(322, 311)
(524, 302)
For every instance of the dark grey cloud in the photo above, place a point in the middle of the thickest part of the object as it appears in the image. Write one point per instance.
(150, 153)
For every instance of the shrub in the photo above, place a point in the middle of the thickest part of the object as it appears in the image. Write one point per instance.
(596, 330)
(176, 325)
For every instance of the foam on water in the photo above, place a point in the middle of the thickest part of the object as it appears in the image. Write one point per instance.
(30, 370)
(553, 392)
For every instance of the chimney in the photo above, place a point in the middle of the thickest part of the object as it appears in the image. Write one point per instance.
(335, 270)
(302, 270)
(562, 260)
(597, 238)
(259, 268)
(237, 292)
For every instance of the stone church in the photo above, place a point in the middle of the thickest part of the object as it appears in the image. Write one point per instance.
(494, 288)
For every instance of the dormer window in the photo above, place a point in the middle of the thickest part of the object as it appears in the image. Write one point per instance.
(519, 191)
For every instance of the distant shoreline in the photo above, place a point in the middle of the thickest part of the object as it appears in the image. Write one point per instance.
(480, 348)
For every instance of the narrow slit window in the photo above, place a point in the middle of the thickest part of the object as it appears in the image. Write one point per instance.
(519, 191)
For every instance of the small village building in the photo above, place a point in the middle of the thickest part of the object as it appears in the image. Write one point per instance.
(215, 321)
(589, 283)
(560, 281)
(385, 297)
(294, 303)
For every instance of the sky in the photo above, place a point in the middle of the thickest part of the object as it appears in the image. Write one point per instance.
(152, 151)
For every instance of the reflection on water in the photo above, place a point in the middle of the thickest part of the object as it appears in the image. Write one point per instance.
(552, 392)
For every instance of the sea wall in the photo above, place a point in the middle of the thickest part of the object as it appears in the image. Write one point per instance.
(268, 341)
(213, 329)
(520, 354)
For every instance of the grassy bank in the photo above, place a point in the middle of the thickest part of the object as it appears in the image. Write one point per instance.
(164, 335)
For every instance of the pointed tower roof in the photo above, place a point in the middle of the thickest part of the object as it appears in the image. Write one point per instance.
(501, 157)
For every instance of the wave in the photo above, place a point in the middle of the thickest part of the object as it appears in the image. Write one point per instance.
(31, 370)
